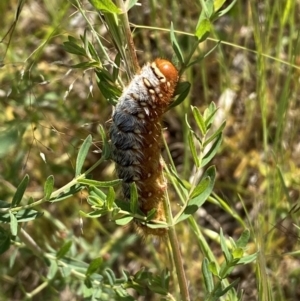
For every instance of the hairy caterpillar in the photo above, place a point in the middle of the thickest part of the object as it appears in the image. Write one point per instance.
(135, 136)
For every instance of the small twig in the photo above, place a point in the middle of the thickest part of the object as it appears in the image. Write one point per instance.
(128, 36)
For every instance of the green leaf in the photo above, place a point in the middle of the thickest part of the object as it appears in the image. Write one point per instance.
(212, 151)
(93, 53)
(224, 247)
(94, 266)
(238, 253)
(4, 240)
(110, 199)
(97, 193)
(193, 149)
(203, 30)
(207, 275)
(99, 183)
(215, 134)
(48, 187)
(218, 4)
(85, 65)
(64, 249)
(116, 67)
(110, 276)
(52, 270)
(94, 214)
(224, 11)
(213, 268)
(67, 193)
(105, 6)
(13, 224)
(229, 287)
(109, 90)
(131, 3)
(199, 120)
(133, 198)
(199, 195)
(156, 225)
(27, 215)
(175, 45)
(106, 147)
(17, 198)
(151, 214)
(248, 259)
(124, 220)
(72, 46)
(182, 89)
(244, 238)
(95, 201)
(209, 114)
(83, 151)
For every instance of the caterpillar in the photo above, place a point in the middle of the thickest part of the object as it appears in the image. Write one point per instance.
(135, 136)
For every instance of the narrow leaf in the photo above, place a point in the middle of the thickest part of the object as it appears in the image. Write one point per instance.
(212, 151)
(199, 195)
(207, 275)
(213, 268)
(248, 259)
(68, 193)
(13, 224)
(209, 114)
(116, 67)
(193, 149)
(110, 276)
(224, 247)
(224, 11)
(99, 183)
(111, 195)
(229, 287)
(48, 187)
(215, 134)
(105, 6)
(52, 270)
(83, 151)
(182, 90)
(218, 4)
(64, 249)
(175, 45)
(203, 30)
(244, 238)
(199, 120)
(17, 198)
(124, 220)
(133, 198)
(106, 146)
(94, 266)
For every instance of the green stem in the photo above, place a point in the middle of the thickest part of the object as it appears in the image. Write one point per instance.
(128, 36)
(55, 193)
(176, 251)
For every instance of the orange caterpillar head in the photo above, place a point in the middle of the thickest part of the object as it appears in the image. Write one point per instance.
(168, 70)
(167, 73)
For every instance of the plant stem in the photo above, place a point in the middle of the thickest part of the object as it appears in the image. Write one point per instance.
(55, 193)
(134, 65)
(176, 251)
